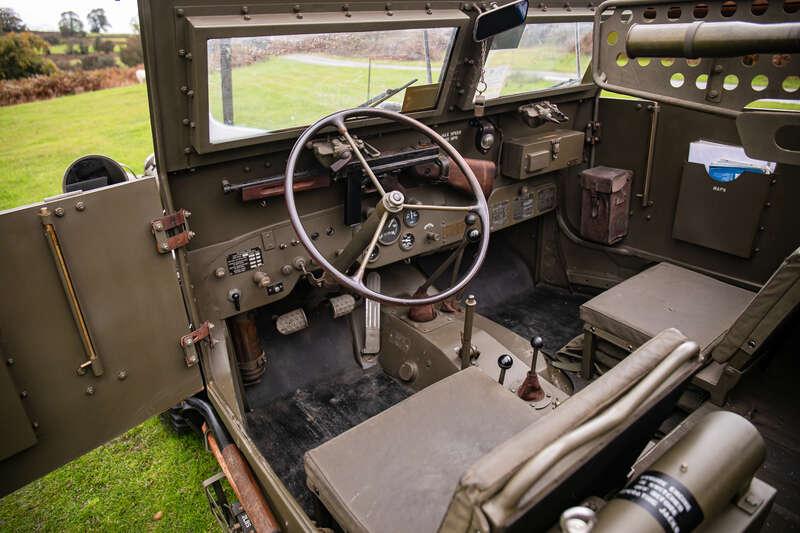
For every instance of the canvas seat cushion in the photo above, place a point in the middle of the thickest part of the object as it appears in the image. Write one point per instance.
(667, 296)
(397, 471)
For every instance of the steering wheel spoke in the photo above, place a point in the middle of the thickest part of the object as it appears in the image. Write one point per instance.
(442, 207)
(346, 134)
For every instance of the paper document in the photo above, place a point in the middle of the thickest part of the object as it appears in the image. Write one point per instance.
(725, 162)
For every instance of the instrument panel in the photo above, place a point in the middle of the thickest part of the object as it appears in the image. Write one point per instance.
(263, 266)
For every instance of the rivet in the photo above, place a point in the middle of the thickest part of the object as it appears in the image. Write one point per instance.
(299, 16)
(179, 12)
(390, 13)
(187, 150)
(768, 204)
(23, 394)
(296, 8)
(190, 93)
(90, 390)
(247, 169)
(183, 89)
(648, 217)
(35, 424)
(185, 121)
(752, 343)
(80, 206)
(684, 467)
(713, 93)
(10, 361)
(219, 273)
(122, 374)
(245, 10)
(59, 211)
(718, 69)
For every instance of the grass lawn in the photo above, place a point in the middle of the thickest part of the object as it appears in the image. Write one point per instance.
(39, 140)
(123, 484)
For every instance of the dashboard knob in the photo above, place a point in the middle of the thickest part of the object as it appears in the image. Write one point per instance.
(474, 235)
(471, 219)
(537, 343)
(261, 279)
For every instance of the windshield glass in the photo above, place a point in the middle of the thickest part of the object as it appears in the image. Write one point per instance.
(258, 85)
(537, 57)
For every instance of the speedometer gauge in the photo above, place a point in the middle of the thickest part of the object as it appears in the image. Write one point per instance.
(411, 217)
(391, 231)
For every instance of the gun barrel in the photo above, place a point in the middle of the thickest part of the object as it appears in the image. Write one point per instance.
(712, 39)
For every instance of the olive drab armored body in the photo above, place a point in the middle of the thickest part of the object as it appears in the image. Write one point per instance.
(435, 266)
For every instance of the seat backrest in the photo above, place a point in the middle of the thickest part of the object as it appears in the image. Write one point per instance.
(779, 296)
(491, 472)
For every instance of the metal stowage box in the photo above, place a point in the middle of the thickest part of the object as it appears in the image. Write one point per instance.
(528, 156)
(604, 204)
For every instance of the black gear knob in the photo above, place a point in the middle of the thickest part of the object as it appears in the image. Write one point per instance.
(537, 342)
(504, 362)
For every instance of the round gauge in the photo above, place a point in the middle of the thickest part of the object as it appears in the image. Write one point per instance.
(411, 217)
(391, 231)
(373, 255)
(407, 242)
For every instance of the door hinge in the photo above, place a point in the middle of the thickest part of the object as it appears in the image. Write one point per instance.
(189, 342)
(172, 231)
(593, 132)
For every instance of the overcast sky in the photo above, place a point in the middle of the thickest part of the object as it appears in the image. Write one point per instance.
(44, 14)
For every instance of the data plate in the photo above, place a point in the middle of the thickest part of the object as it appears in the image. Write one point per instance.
(245, 260)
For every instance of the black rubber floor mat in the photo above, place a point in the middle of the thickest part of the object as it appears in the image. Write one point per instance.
(290, 425)
(547, 311)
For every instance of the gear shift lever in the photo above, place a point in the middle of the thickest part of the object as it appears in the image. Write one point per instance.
(531, 390)
(504, 362)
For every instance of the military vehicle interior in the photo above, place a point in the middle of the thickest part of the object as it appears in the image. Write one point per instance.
(607, 227)
(460, 266)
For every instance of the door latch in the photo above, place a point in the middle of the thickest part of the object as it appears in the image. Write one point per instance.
(189, 342)
(172, 231)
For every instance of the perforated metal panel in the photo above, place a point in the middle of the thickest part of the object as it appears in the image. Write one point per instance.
(722, 85)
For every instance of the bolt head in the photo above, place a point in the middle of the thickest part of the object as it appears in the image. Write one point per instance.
(165, 246)
(90, 390)
(10, 361)
(59, 211)
(80, 206)
(122, 374)
(158, 226)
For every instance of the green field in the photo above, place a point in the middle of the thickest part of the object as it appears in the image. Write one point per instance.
(39, 140)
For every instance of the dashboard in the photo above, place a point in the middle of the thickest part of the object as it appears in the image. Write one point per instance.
(264, 265)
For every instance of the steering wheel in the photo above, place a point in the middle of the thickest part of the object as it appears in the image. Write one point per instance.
(366, 238)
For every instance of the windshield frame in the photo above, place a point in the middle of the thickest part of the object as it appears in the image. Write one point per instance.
(204, 28)
(551, 16)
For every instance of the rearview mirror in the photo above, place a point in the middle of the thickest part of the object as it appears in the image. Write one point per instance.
(500, 19)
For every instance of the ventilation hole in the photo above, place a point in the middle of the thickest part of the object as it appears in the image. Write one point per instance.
(676, 80)
(781, 60)
(702, 81)
(674, 13)
(693, 62)
(749, 60)
(730, 82)
(728, 8)
(667, 62)
(791, 84)
(788, 137)
(643, 61)
(613, 37)
(759, 83)
(622, 59)
(626, 16)
(791, 6)
(759, 7)
(649, 14)
(700, 11)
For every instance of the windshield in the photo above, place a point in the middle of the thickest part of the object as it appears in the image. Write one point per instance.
(538, 56)
(258, 85)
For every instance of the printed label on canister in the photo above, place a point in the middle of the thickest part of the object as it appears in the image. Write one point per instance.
(666, 499)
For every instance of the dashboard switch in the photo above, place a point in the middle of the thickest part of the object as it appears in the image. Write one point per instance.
(261, 279)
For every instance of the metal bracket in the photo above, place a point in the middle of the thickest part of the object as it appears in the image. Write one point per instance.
(189, 341)
(593, 132)
(172, 231)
